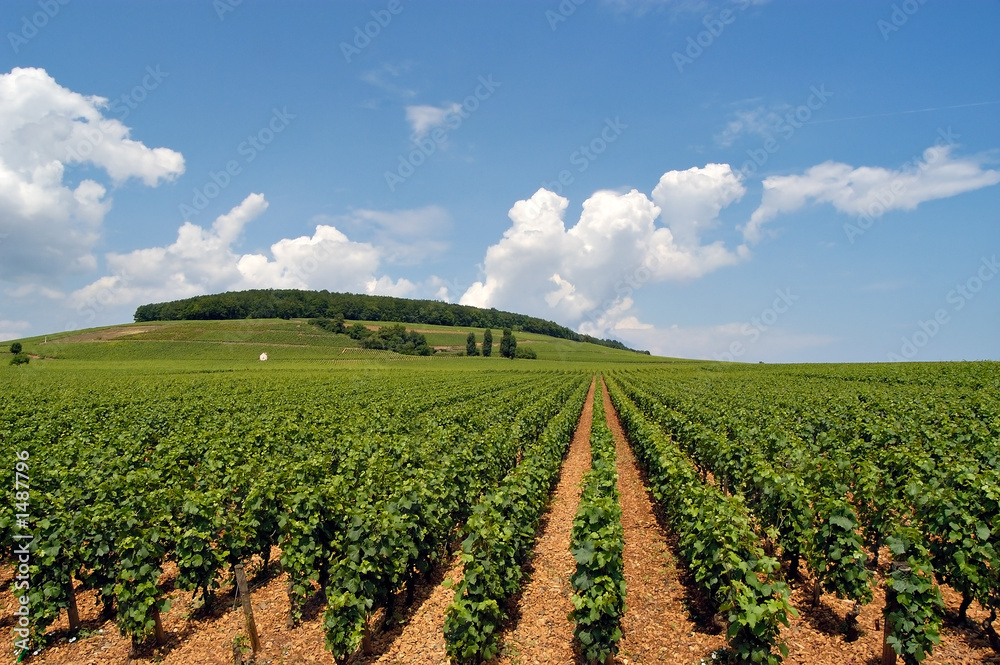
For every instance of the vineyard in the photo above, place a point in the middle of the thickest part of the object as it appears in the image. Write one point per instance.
(396, 511)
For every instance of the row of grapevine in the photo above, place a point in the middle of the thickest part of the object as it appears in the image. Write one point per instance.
(388, 542)
(717, 541)
(834, 462)
(807, 514)
(127, 475)
(598, 543)
(499, 535)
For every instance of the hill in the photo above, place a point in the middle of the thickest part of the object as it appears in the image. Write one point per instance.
(194, 345)
(293, 303)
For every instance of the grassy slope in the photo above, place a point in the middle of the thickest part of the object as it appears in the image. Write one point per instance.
(220, 345)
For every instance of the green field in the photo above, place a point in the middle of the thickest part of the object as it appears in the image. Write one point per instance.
(236, 345)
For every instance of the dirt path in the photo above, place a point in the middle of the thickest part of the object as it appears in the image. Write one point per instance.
(656, 628)
(542, 632)
(420, 641)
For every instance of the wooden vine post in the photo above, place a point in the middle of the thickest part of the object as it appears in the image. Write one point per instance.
(852, 622)
(71, 608)
(158, 635)
(366, 638)
(244, 591)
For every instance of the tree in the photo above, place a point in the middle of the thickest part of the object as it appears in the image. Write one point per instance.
(487, 343)
(15, 347)
(508, 344)
(359, 332)
(398, 339)
(470, 345)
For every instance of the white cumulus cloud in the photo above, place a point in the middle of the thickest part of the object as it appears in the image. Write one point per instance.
(586, 274)
(204, 260)
(49, 226)
(871, 190)
(694, 198)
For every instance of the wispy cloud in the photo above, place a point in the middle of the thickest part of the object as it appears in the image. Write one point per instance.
(423, 118)
(859, 191)
(713, 342)
(891, 114)
(678, 7)
(386, 77)
(761, 121)
(405, 237)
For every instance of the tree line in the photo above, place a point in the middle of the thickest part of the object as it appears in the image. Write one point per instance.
(508, 345)
(295, 304)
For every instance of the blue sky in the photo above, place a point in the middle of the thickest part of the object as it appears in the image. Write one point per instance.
(777, 181)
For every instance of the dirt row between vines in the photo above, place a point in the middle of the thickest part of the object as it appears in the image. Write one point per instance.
(657, 626)
(541, 631)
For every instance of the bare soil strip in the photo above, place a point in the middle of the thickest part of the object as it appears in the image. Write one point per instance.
(656, 627)
(542, 631)
(421, 639)
(193, 638)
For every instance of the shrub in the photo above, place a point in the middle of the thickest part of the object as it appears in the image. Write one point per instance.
(20, 359)
(15, 347)
(525, 352)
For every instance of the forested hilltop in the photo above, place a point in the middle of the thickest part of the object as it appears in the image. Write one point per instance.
(294, 304)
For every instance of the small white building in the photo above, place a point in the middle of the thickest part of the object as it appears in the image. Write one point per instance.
(263, 357)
